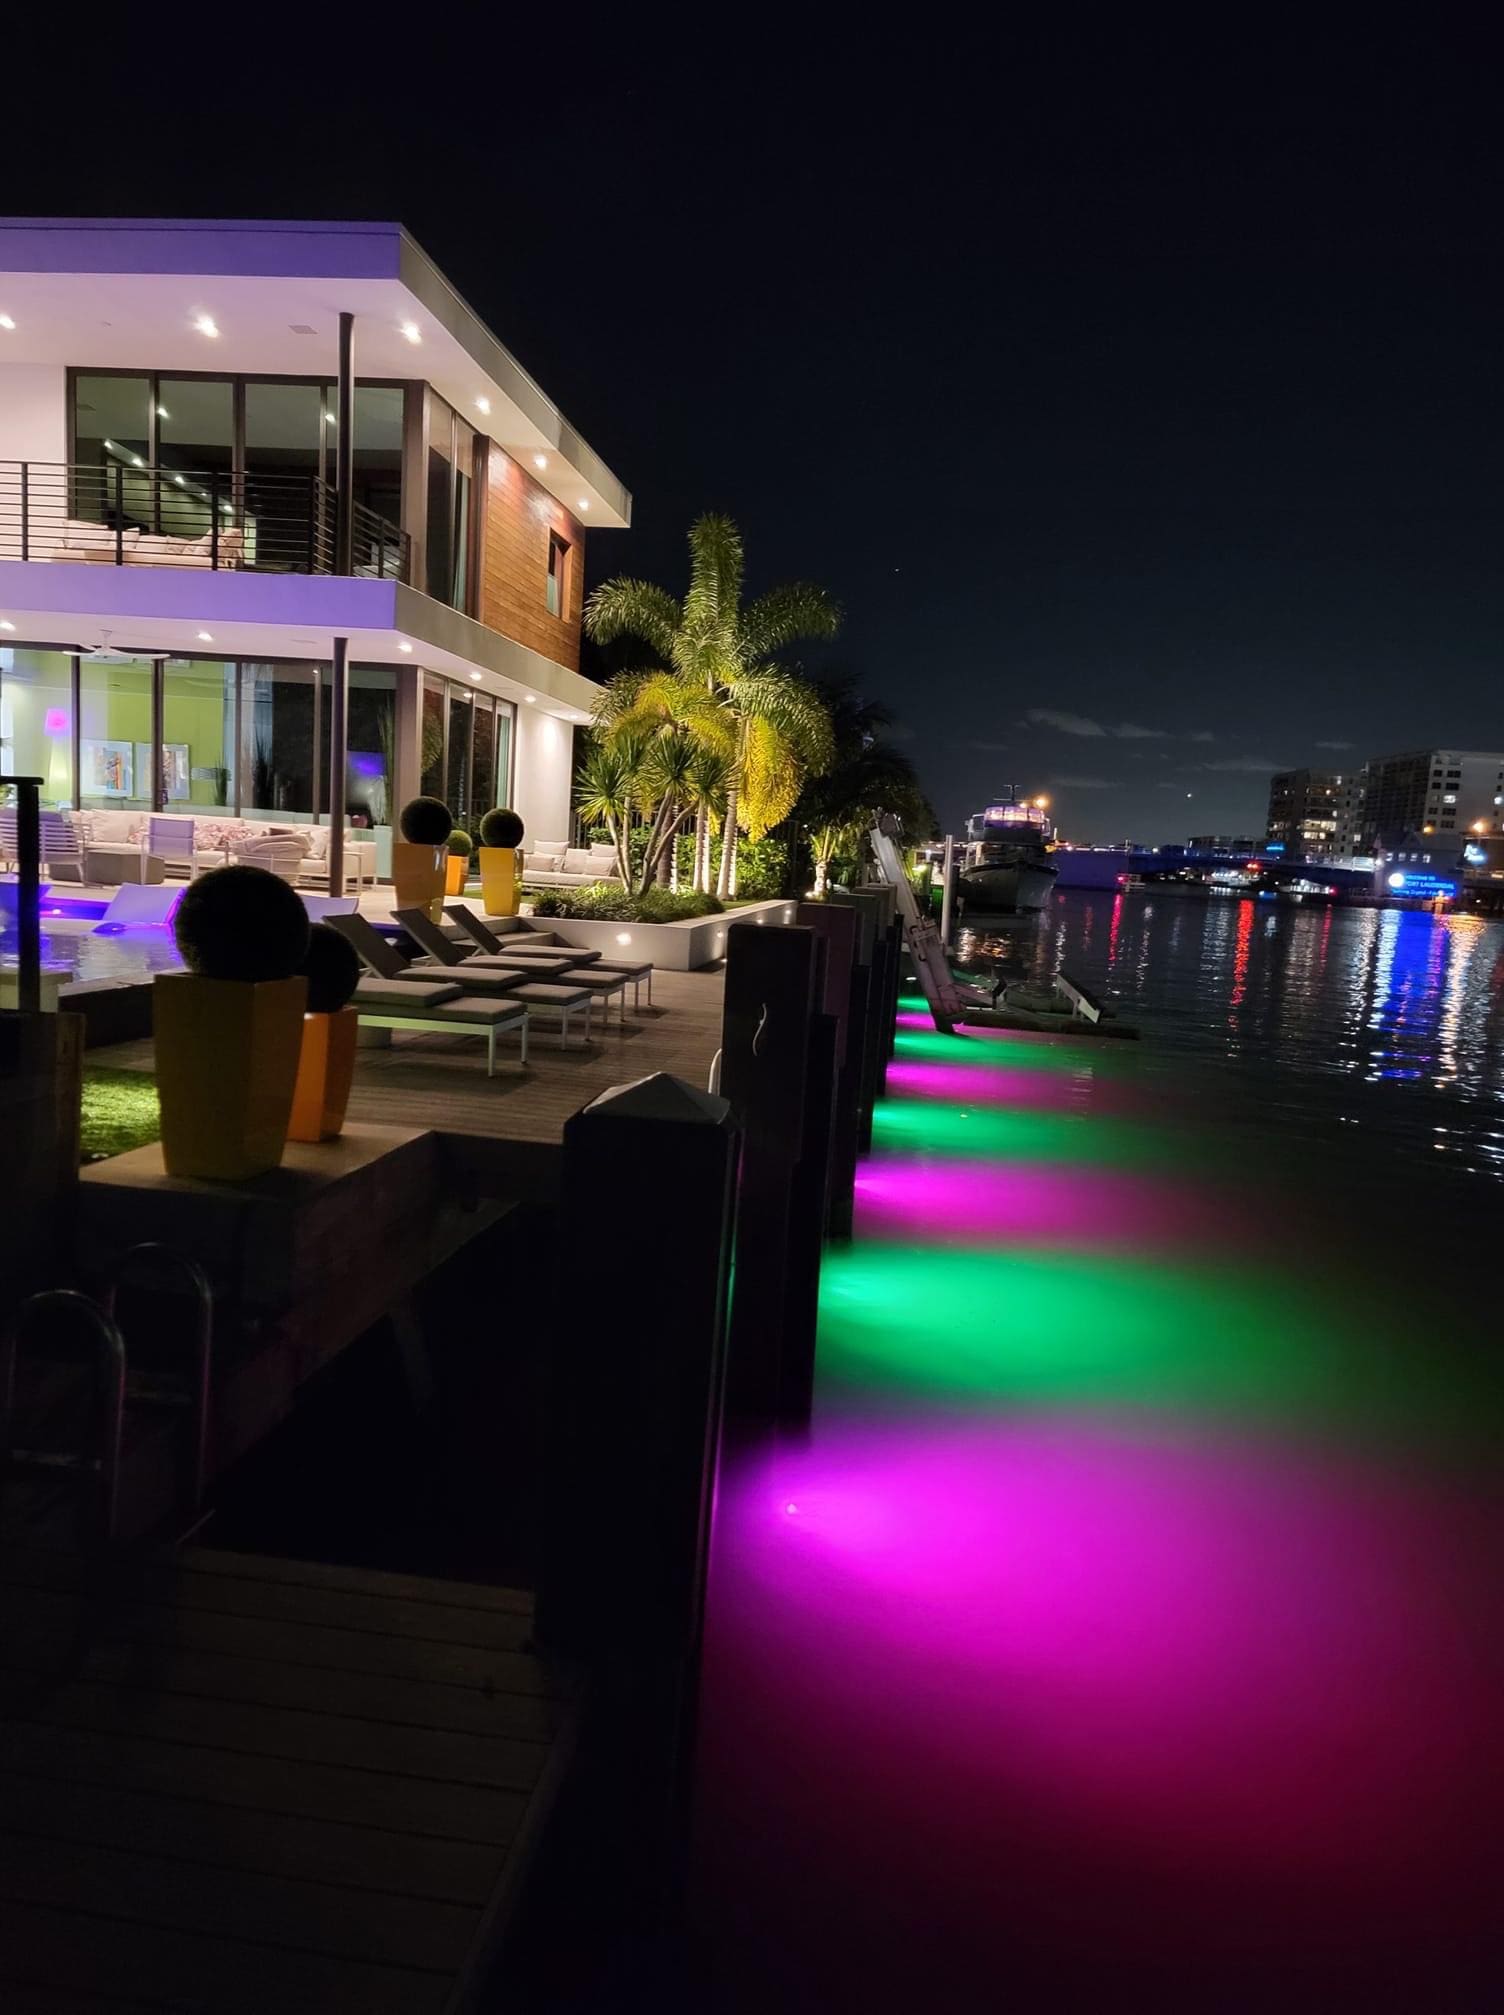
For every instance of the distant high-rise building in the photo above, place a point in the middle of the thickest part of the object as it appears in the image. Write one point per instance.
(1430, 790)
(1310, 811)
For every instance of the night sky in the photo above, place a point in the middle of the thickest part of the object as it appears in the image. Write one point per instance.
(1138, 398)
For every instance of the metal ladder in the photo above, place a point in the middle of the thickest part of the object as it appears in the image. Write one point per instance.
(47, 1317)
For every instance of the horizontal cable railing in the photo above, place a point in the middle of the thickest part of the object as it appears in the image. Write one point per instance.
(122, 515)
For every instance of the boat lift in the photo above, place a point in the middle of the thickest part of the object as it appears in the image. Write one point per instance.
(950, 1000)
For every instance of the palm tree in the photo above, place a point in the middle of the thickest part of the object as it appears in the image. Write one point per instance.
(718, 677)
(866, 776)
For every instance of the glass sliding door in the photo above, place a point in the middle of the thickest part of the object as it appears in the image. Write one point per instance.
(457, 767)
(447, 518)
(113, 436)
(434, 771)
(483, 763)
(279, 741)
(289, 521)
(115, 735)
(196, 454)
(36, 721)
(199, 743)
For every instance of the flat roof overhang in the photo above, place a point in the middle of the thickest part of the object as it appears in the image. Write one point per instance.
(125, 294)
(265, 616)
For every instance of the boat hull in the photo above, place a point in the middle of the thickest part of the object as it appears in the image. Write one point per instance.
(1020, 885)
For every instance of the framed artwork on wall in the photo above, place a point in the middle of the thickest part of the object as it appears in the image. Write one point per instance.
(108, 768)
(177, 778)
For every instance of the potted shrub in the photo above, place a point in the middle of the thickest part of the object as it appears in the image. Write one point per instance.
(326, 1064)
(461, 847)
(418, 858)
(229, 1030)
(500, 861)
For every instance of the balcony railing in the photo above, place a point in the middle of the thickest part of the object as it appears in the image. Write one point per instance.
(124, 516)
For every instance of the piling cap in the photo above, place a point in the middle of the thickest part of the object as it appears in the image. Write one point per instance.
(661, 1096)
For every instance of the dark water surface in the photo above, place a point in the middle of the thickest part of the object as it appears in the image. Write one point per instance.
(1124, 1630)
(1305, 1021)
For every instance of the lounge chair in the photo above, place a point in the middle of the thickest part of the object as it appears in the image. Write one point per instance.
(581, 970)
(492, 978)
(634, 971)
(439, 949)
(440, 1009)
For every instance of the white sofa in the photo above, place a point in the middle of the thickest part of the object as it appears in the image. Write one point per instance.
(554, 864)
(217, 839)
(79, 539)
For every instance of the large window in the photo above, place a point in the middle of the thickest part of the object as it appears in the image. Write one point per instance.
(447, 518)
(279, 741)
(115, 734)
(467, 742)
(558, 574)
(199, 751)
(36, 721)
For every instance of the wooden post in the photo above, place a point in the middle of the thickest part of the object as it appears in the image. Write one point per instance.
(772, 975)
(846, 1000)
(637, 1375)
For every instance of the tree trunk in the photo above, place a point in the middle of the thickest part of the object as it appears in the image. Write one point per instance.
(822, 879)
(701, 881)
(725, 884)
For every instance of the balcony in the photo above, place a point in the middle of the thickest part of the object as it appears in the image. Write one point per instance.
(126, 516)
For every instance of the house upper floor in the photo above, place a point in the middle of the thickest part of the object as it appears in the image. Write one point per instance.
(170, 399)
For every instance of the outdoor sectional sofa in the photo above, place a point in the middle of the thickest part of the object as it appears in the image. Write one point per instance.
(554, 864)
(112, 844)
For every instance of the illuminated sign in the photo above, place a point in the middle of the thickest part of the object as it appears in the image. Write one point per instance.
(1406, 882)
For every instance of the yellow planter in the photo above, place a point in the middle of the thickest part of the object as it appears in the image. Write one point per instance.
(454, 874)
(227, 1061)
(419, 875)
(326, 1070)
(500, 870)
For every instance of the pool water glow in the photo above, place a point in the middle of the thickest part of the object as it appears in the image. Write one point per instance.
(1123, 1622)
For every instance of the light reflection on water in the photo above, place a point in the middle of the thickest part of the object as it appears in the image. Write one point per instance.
(1304, 1021)
(110, 955)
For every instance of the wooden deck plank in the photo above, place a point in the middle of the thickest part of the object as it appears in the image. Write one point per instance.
(234, 1837)
(298, 1914)
(369, 1581)
(301, 1644)
(436, 1811)
(383, 1748)
(89, 1953)
(214, 1675)
(330, 1608)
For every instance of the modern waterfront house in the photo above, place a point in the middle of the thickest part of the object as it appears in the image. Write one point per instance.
(271, 493)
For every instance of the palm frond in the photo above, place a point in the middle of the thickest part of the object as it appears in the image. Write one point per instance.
(715, 580)
(628, 608)
(791, 705)
(785, 614)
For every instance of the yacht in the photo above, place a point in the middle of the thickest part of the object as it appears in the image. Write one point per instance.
(1005, 864)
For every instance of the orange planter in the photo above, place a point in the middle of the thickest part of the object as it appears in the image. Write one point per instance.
(500, 868)
(227, 1056)
(455, 873)
(326, 1070)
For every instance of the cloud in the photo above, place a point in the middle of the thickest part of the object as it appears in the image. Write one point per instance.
(1084, 783)
(1249, 765)
(1068, 724)
(1334, 745)
(1132, 732)
(1205, 735)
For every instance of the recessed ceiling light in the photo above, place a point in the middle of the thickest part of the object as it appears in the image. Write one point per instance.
(584, 503)
(540, 461)
(483, 405)
(204, 637)
(6, 625)
(530, 700)
(412, 332)
(206, 325)
(475, 678)
(137, 462)
(329, 420)
(163, 414)
(7, 322)
(404, 647)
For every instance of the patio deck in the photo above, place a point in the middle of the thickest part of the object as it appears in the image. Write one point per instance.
(242, 1783)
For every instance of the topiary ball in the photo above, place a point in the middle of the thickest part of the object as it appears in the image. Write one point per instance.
(501, 828)
(331, 966)
(427, 822)
(460, 842)
(241, 923)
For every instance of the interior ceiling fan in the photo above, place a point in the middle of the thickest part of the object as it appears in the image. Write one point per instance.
(103, 653)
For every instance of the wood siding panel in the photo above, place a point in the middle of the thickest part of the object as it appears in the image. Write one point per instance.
(519, 514)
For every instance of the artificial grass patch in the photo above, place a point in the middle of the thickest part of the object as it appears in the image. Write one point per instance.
(120, 1111)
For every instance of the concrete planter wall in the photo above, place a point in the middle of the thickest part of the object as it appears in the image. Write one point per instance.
(675, 948)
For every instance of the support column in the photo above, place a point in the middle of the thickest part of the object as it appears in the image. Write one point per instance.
(339, 736)
(344, 459)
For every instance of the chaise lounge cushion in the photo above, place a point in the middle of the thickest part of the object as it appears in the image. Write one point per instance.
(412, 995)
